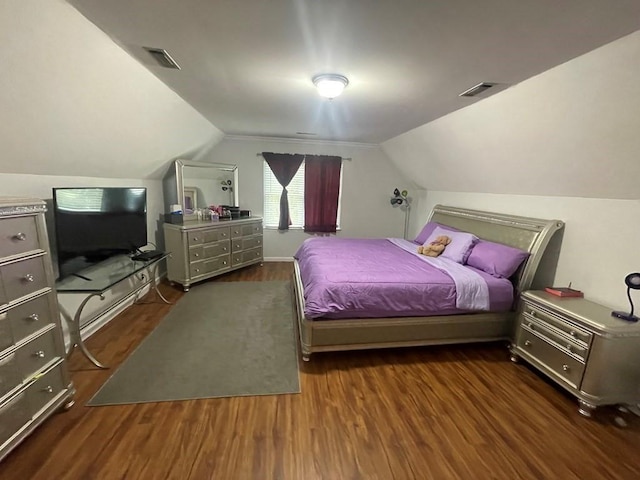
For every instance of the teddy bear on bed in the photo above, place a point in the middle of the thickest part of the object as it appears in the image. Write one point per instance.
(436, 247)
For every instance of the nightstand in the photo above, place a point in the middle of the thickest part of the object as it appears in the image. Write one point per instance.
(579, 345)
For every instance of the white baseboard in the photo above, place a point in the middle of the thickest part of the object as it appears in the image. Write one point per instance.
(278, 259)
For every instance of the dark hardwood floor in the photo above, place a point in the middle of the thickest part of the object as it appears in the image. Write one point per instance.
(462, 411)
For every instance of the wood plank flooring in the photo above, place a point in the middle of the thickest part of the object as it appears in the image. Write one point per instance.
(445, 412)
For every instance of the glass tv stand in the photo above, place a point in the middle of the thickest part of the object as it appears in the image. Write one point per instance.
(95, 280)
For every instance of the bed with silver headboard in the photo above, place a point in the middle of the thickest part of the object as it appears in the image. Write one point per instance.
(540, 237)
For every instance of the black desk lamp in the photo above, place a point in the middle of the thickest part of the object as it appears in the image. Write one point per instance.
(633, 282)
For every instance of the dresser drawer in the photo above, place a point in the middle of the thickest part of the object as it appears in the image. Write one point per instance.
(200, 237)
(27, 318)
(6, 336)
(45, 389)
(24, 277)
(14, 414)
(246, 256)
(563, 365)
(246, 243)
(557, 322)
(208, 266)
(9, 375)
(33, 356)
(18, 235)
(246, 230)
(555, 336)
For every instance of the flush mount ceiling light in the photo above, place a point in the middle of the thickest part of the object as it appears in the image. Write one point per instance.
(330, 85)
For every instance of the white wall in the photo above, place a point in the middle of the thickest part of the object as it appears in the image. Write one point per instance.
(561, 145)
(368, 182)
(73, 103)
(571, 131)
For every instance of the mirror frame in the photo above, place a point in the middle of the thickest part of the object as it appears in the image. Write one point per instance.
(225, 167)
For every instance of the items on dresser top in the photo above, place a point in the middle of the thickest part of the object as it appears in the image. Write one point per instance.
(201, 250)
(579, 345)
(95, 280)
(34, 381)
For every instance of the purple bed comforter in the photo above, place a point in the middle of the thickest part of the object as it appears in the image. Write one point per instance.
(373, 278)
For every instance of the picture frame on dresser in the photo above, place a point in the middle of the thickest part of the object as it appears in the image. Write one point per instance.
(190, 198)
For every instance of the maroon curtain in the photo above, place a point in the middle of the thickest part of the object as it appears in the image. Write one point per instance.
(321, 191)
(284, 167)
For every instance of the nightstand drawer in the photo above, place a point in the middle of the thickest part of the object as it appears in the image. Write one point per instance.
(541, 351)
(555, 321)
(555, 336)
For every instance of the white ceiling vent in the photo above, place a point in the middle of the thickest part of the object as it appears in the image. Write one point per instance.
(477, 89)
(162, 57)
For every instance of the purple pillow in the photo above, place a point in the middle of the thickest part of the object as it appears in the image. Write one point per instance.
(459, 248)
(428, 229)
(496, 259)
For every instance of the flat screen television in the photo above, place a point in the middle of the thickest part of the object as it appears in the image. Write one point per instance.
(95, 223)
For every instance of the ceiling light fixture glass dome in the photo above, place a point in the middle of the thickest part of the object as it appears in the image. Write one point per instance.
(330, 85)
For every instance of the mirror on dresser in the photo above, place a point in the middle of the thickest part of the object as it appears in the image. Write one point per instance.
(193, 185)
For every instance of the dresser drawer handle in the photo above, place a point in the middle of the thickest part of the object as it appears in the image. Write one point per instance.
(259, 242)
(196, 255)
(224, 262)
(565, 367)
(29, 278)
(39, 354)
(223, 235)
(237, 245)
(257, 254)
(573, 333)
(569, 348)
(195, 239)
(236, 231)
(197, 270)
(224, 249)
(34, 317)
(527, 343)
(20, 236)
(530, 325)
(532, 313)
(48, 389)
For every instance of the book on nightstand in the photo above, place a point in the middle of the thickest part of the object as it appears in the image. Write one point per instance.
(563, 291)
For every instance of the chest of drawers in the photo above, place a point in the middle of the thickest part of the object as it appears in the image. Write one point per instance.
(201, 250)
(34, 381)
(579, 345)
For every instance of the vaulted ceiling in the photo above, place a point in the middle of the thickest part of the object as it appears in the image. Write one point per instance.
(247, 65)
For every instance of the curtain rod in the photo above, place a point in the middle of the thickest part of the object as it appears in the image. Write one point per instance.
(259, 154)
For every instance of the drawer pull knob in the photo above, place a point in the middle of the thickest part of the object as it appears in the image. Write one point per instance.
(197, 270)
(196, 255)
(39, 354)
(259, 242)
(236, 231)
(34, 317)
(29, 277)
(573, 333)
(565, 367)
(532, 313)
(527, 343)
(48, 389)
(257, 254)
(224, 263)
(224, 249)
(530, 325)
(20, 236)
(224, 234)
(195, 239)
(569, 347)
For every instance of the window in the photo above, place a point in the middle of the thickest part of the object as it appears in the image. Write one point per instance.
(272, 192)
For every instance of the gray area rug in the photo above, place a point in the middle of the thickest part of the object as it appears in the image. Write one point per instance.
(222, 339)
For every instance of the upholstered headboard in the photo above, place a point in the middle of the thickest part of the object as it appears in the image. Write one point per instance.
(525, 233)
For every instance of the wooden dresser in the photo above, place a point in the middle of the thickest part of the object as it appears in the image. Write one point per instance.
(201, 250)
(34, 381)
(579, 345)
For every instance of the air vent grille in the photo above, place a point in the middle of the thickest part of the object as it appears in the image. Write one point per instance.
(477, 89)
(162, 57)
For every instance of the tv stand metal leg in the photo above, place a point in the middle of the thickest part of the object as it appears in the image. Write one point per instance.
(76, 336)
